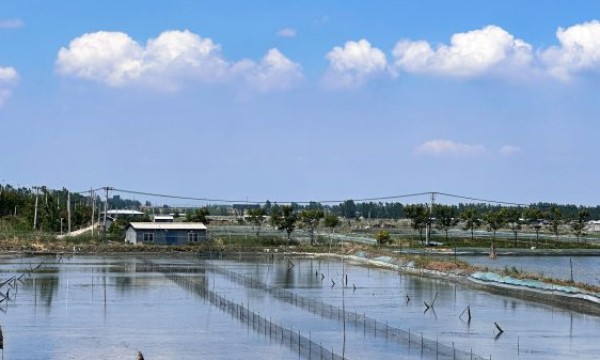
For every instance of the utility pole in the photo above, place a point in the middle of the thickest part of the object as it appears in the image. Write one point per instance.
(93, 209)
(106, 188)
(429, 224)
(35, 212)
(68, 212)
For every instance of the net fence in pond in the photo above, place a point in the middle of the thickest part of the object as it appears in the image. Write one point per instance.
(304, 346)
(370, 326)
(307, 348)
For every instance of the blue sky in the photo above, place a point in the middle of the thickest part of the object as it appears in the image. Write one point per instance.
(306, 100)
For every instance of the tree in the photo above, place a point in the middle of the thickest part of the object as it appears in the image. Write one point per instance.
(470, 221)
(198, 215)
(495, 220)
(579, 224)
(445, 218)
(256, 217)
(311, 218)
(348, 208)
(555, 218)
(383, 237)
(331, 221)
(513, 219)
(418, 216)
(284, 218)
(533, 217)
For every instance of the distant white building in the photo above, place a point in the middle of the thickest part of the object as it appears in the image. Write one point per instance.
(163, 218)
(593, 226)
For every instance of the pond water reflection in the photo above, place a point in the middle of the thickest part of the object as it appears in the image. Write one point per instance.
(108, 307)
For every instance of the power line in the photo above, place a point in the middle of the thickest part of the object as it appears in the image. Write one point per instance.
(87, 191)
(481, 200)
(179, 197)
(358, 200)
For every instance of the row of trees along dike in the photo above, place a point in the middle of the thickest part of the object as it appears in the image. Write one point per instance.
(548, 217)
(445, 217)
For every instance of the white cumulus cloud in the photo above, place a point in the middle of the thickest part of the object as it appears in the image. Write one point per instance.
(108, 57)
(579, 50)
(286, 32)
(167, 61)
(468, 54)
(508, 150)
(273, 72)
(353, 64)
(449, 147)
(8, 79)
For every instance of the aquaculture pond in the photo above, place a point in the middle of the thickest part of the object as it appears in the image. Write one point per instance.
(266, 306)
(585, 269)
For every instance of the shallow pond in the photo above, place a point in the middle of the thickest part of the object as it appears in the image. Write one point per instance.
(109, 307)
(585, 268)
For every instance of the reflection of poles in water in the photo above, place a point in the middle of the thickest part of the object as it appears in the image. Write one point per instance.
(104, 277)
(492, 251)
(344, 301)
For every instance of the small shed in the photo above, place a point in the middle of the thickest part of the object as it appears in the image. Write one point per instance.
(165, 233)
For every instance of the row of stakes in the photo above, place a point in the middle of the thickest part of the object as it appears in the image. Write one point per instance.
(428, 306)
(12, 284)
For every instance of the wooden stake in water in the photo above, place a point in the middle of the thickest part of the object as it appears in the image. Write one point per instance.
(2, 342)
(571, 263)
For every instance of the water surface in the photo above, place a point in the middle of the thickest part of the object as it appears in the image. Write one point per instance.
(108, 307)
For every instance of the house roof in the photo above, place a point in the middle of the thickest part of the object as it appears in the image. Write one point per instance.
(167, 226)
(124, 212)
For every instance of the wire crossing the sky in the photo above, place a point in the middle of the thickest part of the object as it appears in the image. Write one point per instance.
(304, 202)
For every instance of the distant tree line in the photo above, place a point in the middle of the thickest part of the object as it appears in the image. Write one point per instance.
(17, 208)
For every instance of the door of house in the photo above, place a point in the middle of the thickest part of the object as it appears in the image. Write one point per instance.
(171, 238)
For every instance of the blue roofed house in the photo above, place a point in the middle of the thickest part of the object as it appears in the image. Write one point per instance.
(165, 233)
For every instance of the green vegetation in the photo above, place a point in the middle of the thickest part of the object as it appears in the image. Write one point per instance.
(383, 237)
(311, 218)
(197, 215)
(284, 218)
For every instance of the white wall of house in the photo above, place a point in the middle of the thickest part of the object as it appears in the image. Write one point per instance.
(130, 235)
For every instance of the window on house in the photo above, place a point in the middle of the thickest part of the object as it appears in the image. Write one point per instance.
(148, 237)
(192, 237)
